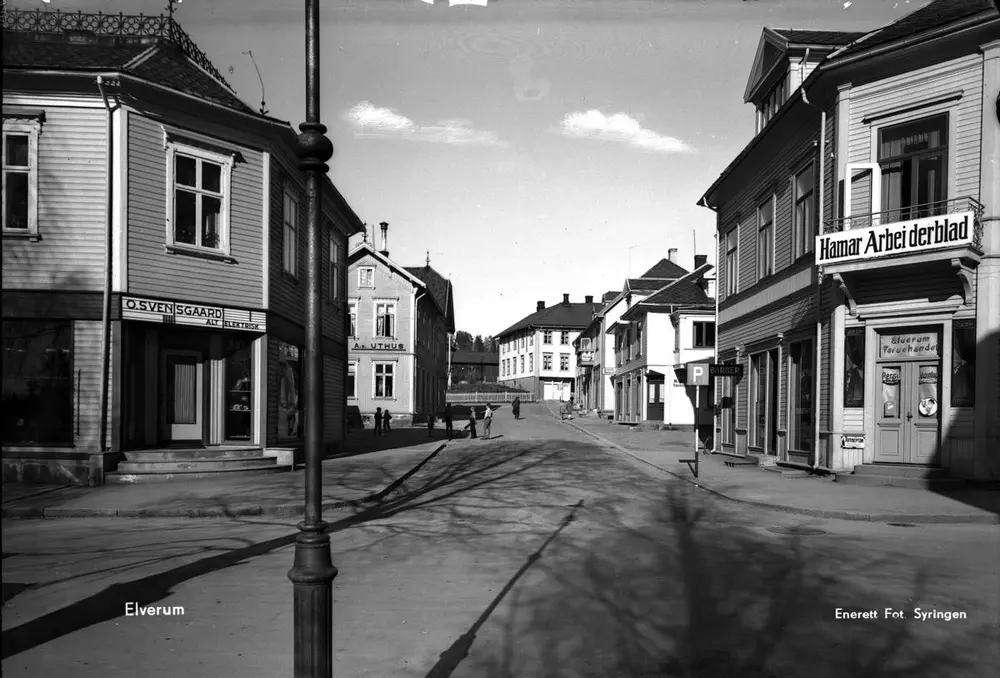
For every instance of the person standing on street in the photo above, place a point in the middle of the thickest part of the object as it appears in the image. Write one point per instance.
(385, 421)
(378, 421)
(447, 421)
(516, 407)
(487, 422)
(430, 424)
(472, 422)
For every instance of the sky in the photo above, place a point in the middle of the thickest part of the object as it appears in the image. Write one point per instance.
(530, 148)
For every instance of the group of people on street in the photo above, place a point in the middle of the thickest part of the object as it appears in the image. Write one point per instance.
(382, 419)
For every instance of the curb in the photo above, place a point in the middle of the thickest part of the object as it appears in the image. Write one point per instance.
(922, 518)
(240, 510)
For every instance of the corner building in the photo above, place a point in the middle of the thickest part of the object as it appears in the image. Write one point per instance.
(859, 249)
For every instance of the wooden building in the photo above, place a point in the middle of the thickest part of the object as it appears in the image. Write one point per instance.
(859, 250)
(159, 247)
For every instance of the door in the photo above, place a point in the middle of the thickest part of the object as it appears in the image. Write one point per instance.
(908, 420)
(183, 396)
(654, 410)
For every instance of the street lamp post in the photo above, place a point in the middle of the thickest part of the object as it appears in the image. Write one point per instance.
(313, 572)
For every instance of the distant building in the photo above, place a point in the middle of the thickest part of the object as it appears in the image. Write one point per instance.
(536, 353)
(474, 367)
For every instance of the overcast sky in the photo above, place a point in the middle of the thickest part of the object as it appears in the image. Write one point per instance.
(533, 147)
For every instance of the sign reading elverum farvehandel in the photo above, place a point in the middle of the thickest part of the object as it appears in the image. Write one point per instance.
(193, 315)
(899, 238)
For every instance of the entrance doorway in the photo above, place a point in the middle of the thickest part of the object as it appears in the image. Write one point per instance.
(183, 396)
(764, 401)
(908, 420)
(654, 405)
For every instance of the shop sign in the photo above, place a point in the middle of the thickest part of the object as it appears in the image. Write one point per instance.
(724, 370)
(193, 315)
(378, 346)
(609, 371)
(900, 238)
(916, 345)
(852, 442)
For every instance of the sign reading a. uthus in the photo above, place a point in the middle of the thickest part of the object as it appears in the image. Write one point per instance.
(900, 238)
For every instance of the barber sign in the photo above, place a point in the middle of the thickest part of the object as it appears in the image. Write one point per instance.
(697, 374)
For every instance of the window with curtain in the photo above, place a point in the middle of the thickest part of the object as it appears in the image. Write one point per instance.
(913, 157)
(963, 363)
(37, 382)
(804, 227)
(854, 367)
(758, 399)
(800, 390)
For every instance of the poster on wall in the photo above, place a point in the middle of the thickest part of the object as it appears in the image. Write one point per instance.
(289, 383)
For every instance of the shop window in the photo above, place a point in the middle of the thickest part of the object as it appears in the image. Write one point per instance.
(800, 391)
(352, 379)
(289, 393)
(913, 158)
(732, 261)
(198, 214)
(239, 390)
(366, 276)
(804, 217)
(758, 399)
(765, 239)
(546, 361)
(384, 375)
(704, 334)
(727, 408)
(963, 363)
(854, 367)
(385, 319)
(290, 241)
(564, 362)
(37, 382)
(20, 178)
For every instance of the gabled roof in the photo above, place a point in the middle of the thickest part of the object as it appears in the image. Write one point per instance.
(647, 284)
(440, 290)
(812, 38)
(682, 292)
(665, 268)
(364, 248)
(609, 296)
(776, 44)
(571, 316)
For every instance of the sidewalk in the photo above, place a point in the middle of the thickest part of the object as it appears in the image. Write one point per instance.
(368, 470)
(792, 493)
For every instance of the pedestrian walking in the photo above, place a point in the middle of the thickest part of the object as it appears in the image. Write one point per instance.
(487, 421)
(472, 422)
(378, 421)
(447, 421)
(516, 407)
(386, 417)
(430, 424)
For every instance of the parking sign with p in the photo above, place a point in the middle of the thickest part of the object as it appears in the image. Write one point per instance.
(697, 374)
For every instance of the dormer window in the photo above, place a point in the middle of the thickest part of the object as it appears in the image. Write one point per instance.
(769, 104)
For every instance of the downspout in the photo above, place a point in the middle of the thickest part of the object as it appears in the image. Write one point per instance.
(802, 66)
(413, 344)
(106, 310)
(819, 283)
(715, 344)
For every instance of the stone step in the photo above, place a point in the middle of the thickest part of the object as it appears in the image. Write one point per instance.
(223, 452)
(119, 478)
(910, 482)
(901, 471)
(195, 465)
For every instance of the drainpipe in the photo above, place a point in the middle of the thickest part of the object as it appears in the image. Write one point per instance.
(106, 311)
(819, 285)
(802, 66)
(716, 445)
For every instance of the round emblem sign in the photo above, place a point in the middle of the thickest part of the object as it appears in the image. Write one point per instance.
(927, 407)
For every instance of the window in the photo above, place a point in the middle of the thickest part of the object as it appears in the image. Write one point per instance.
(289, 373)
(531, 340)
(335, 269)
(385, 319)
(564, 338)
(198, 204)
(963, 363)
(547, 337)
(804, 226)
(546, 361)
(37, 382)
(366, 276)
(352, 319)
(638, 339)
(531, 362)
(564, 362)
(352, 379)
(913, 159)
(384, 375)
(704, 334)
(290, 244)
(732, 263)
(20, 178)
(522, 364)
(765, 239)
(854, 367)
(800, 390)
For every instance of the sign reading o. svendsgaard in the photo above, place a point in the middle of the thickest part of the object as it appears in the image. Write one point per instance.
(193, 315)
(899, 238)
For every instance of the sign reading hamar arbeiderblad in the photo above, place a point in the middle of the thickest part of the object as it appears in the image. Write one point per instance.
(900, 238)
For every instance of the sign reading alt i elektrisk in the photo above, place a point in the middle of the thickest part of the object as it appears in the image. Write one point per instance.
(193, 315)
(899, 238)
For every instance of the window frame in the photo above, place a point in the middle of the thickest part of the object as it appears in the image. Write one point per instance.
(793, 388)
(765, 235)
(704, 324)
(361, 282)
(389, 373)
(352, 318)
(803, 242)
(63, 331)
(226, 162)
(946, 149)
(31, 129)
(393, 304)
(547, 337)
(352, 377)
(564, 338)
(547, 361)
(290, 195)
(335, 282)
(733, 261)
(564, 359)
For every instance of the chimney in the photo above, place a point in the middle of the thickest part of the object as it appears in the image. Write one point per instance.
(385, 238)
(565, 298)
(541, 306)
(672, 255)
(589, 299)
(700, 260)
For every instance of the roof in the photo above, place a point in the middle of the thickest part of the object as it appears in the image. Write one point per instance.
(152, 48)
(665, 268)
(812, 38)
(440, 290)
(475, 357)
(682, 292)
(609, 296)
(366, 248)
(574, 315)
(648, 284)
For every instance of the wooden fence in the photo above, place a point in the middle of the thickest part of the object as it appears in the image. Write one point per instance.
(489, 397)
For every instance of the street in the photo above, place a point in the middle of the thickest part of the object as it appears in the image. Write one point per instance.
(533, 554)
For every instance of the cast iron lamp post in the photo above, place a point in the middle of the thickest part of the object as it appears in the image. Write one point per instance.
(313, 572)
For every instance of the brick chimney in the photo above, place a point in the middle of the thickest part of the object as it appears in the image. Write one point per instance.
(541, 306)
(700, 260)
(565, 298)
(672, 255)
(385, 238)
(589, 299)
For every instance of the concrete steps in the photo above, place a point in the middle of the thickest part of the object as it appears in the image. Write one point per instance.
(188, 464)
(901, 475)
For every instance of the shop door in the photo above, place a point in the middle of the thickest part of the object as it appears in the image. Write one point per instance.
(908, 420)
(184, 395)
(654, 411)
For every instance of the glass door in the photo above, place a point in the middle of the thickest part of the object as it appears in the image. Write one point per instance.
(239, 391)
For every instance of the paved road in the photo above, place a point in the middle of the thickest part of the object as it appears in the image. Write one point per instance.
(534, 554)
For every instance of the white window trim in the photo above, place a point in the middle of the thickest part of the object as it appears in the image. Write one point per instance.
(335, 283)
(735, 286)
(808, 240)
(290, 192)
(395, 315)
(375, 364)
(356, 364)
(361, 282)
(773, 199)
(352, 309)
(32, 130)
(226, 161)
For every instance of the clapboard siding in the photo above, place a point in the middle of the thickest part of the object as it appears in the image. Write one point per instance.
(151, 270)
(72, 197)
(87, 385)
(825, 359)
(961, 422)
(854, 420)
(799, 313)
(897, 93)
(934, 285)
(334, 400)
